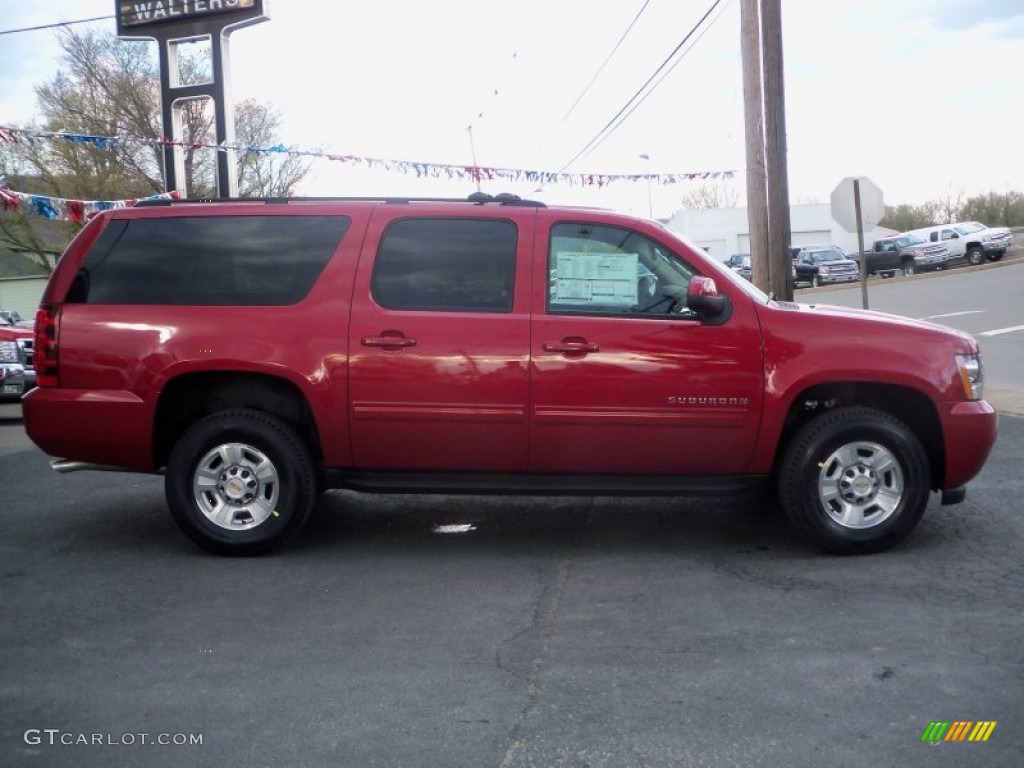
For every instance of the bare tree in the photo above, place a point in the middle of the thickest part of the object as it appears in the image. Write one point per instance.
(948, 207)
(111, 87)
(709, 196)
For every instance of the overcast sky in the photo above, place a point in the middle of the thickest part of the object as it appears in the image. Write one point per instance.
(917, 95)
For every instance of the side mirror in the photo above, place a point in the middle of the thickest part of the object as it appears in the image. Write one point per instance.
(703, 298)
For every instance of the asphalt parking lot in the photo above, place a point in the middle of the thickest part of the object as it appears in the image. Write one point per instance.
(471, 631)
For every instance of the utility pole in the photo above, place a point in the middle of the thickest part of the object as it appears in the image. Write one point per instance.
(779, 228)
(753, 113)
(765, 130)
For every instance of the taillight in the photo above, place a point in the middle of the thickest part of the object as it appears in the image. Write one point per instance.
(46, 351)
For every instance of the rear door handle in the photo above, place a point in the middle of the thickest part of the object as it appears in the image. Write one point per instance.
(572, 346)
(388, 340)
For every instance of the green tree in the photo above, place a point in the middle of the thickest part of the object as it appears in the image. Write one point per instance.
(904, 217)
(111, 87)
(996, 209)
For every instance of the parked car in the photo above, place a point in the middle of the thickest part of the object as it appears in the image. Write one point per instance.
(970, 240)
(260, 352)
(824, 265)
(16, 344)
(740, 262)
(904, 253)
(12, 380)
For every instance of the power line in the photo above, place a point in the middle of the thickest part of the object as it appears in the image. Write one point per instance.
(611, 125)
(58, 24)
(669, 71)
(603, 65)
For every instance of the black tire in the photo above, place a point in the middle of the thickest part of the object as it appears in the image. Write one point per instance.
(996, 255)
(908, 268)
(830, 468)
(976, 256)
(886, 274)
(211, 470)
(815, 281)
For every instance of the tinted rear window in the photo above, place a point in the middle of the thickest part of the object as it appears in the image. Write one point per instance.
(222, 260)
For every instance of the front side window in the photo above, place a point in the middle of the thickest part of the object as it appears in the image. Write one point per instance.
(446, 265)
(208, 260)
(600, 270)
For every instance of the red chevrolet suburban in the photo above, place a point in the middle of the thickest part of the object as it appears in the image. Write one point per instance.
(259, 352)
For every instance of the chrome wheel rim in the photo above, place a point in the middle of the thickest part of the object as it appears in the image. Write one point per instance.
(236, 486)
(860, 485)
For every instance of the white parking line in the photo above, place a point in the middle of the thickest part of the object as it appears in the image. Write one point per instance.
(955, 314)
(1001, 331)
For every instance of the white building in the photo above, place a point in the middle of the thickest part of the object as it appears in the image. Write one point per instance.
(725, 231)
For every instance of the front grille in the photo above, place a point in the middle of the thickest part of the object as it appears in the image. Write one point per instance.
(26, 355)
(842, 269)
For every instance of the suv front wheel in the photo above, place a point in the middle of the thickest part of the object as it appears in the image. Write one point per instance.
(240, 482)
(854, 480)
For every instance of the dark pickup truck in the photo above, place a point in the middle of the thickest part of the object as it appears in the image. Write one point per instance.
(904, 253)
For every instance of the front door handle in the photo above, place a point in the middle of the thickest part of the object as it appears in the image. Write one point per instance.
(388, 340)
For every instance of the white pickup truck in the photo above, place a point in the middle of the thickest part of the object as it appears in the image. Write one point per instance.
(970, 240)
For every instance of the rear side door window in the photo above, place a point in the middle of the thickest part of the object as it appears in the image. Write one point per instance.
(446, 265)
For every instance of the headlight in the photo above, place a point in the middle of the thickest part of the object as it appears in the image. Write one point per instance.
(822, 270)
(971, 377)
(8, 352)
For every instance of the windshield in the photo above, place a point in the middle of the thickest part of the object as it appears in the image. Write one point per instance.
(969, 227)
(824, 256)
(905, 240)
(722, 270)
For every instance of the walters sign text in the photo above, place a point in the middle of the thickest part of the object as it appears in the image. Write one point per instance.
(136, 13)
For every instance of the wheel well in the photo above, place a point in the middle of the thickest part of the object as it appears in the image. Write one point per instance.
(191, 397)
(908, 405)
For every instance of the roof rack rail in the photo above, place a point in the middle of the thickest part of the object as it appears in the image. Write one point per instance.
(479, 198)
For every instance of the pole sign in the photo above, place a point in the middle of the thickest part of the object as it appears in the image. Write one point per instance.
(173, 23)
(133, 16)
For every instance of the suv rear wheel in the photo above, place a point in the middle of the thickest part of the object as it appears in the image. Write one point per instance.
(854, 481)
(240, 482)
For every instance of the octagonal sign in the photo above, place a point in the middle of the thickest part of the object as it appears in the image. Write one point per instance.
(872, 206)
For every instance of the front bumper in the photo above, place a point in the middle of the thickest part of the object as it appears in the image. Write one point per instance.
(931, 261)
(969, 432)
(843, 278)
(13, 381)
